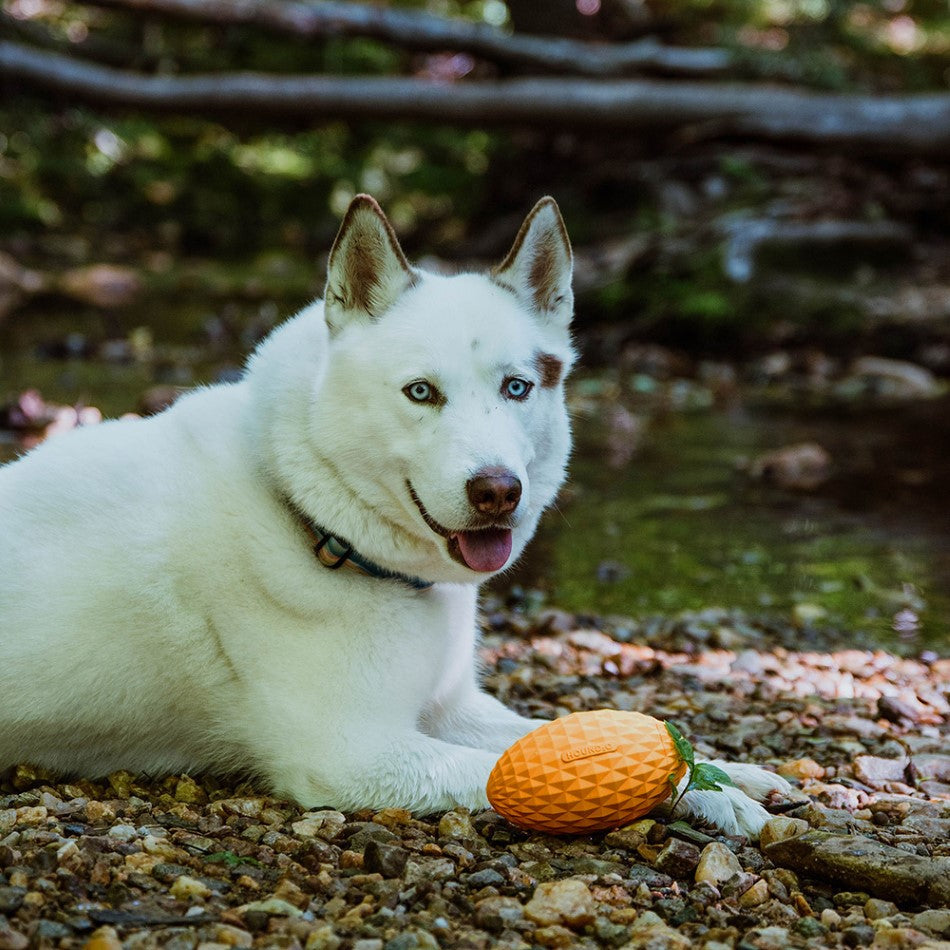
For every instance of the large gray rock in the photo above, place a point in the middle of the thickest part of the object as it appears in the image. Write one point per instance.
(862, 864)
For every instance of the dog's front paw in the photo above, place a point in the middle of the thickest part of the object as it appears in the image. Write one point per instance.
(736, 810)
(731, 811)
(756, 782)
(512, 731)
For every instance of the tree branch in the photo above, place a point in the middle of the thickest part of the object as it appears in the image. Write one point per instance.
(416, 29)
(909, 124)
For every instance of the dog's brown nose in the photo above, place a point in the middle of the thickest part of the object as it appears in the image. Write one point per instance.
(494, 491)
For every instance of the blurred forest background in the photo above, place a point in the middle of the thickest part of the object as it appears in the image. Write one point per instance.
(730, 170)
(758, 193)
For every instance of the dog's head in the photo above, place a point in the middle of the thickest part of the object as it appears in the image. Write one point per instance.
(442, 407)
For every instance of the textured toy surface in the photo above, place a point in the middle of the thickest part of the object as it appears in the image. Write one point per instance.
(585, 772)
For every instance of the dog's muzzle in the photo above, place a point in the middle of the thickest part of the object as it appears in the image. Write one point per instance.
(486, 548)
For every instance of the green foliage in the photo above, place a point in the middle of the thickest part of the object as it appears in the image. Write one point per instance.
(830, 44)
(197, 186)
(700, 776)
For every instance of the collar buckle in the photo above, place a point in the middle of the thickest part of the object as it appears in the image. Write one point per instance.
(333, 552)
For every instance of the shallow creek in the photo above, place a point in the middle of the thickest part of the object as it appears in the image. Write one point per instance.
(677, 524)
(681, 525)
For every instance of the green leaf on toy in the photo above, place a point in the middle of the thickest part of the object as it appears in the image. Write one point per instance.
(700, 776)
(683, 748)
(706, 777)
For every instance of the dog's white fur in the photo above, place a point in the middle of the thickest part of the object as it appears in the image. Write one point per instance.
(161, 609)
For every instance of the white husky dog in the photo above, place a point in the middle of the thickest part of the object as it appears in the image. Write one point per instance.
(167, 597)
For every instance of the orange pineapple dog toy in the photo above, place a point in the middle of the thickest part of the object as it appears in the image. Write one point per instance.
(585, 772)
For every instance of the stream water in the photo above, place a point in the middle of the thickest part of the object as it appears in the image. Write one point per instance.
(681, 526)
(678, 525)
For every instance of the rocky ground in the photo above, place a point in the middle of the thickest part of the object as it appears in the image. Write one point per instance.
(859, 857)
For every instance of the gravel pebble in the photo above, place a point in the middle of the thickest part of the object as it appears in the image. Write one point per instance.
(567, 902)
(386, 859)
(780, 828)
(677, 858)
(320, 824)
(11, 899)
(716, 864)
(12, 939)
(186, 888)
(200, 863)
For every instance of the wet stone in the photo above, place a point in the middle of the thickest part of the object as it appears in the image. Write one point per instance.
(649, 931)
(809, 927)
(427, 870)
(876, 909)
(11, 899)
(320, 824)
(847, 898)
(778, 829)
(369, 831)
(187, 790)
(567, 902)
(184, 940)
(860, 935)
(610, 934)
(717, 864)
(498, 913)
(554, 935)
(167, 873)
(322, 938)
(630, 837)
(105, 938)
(484, 878)
(412, 940)
(757, 894)
(11, 939)
(51, 930)
(386, 859)
(935, 921)
(457, 825)
(768, 938)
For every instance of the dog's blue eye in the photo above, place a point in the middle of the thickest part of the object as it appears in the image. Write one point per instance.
(420, 391)
(514, 387)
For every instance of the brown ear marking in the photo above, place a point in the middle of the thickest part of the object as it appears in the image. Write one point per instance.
(549, 369)
(364, 202)
(363, 257)
(546, 201)
(541, 274)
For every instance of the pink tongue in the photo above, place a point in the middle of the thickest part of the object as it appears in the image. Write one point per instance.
(486, 550)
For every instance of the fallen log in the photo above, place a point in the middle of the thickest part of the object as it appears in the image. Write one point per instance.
(416, 29)
(746, 237)
(907, 124)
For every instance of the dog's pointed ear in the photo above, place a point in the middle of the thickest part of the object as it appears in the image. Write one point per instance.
(367, 269)
(539, 265)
